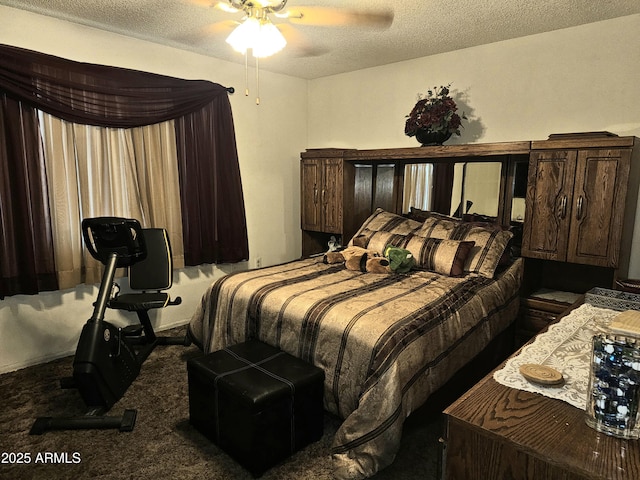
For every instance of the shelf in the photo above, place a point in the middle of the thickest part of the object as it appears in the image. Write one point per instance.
(555, 296)
(441, 151)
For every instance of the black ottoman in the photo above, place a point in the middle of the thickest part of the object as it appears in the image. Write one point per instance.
(257, 403)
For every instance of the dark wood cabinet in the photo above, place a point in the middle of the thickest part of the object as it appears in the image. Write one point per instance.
(326, 192)
(575, 205)
(582, 194)
(322, 207)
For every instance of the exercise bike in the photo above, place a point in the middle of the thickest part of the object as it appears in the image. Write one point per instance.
(108, 358)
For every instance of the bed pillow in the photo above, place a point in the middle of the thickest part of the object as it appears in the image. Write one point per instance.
(434, 227)
(490, 242)
(506, 258)
(383, 221)
(420, 215)
(490, 246)
(447, 257)
(378, 241)
(476, 217)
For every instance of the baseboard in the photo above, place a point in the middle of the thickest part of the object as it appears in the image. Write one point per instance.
(58, 355)
(35, 361)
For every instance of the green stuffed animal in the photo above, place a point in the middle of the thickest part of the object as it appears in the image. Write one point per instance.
(400, 260)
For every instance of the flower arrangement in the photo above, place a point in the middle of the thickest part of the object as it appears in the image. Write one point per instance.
(434, 112)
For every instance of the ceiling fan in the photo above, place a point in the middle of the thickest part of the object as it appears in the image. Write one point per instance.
(257, 33)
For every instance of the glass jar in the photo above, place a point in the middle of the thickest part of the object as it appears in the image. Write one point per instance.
(613, 396)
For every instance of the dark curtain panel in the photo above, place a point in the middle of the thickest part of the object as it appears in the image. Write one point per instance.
(442, 186)
(26, 246)
(122, 98)
(216, 208)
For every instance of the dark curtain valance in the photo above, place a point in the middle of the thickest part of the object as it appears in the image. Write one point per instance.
(99, 95)
(211, 191)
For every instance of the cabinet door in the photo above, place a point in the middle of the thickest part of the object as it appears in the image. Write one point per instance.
(310, 187)
(598, 207)
(548, 204)
(331, 196)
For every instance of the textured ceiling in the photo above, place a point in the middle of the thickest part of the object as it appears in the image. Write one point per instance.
(420, 27)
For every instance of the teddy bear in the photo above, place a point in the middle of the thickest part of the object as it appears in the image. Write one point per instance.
(359, 259)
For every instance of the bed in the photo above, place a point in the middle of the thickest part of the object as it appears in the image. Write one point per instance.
(386, 342)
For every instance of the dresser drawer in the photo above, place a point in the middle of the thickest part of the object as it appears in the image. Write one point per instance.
(535, 315)
(533, 320)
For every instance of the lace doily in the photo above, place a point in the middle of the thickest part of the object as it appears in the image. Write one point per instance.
(565, 346)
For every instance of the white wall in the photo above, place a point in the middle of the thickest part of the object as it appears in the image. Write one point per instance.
(270, 138)
(580, 79)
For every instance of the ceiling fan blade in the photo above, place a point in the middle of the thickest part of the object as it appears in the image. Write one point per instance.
(221, 28)
(207, 32)
(200, 3)
(218, 5)
(298, 43)
(226, 7)
(324, 16)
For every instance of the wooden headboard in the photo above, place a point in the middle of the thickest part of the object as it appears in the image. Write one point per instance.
(340, 188)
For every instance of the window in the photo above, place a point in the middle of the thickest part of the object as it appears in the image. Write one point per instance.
(211, 200)
(97, 171)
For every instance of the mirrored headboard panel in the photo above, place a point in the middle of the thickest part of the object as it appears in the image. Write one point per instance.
(478, 179)
(455, 180)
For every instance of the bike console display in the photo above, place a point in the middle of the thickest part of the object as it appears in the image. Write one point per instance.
(105, 236)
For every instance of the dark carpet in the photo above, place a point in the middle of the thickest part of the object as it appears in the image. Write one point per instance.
(163, 445)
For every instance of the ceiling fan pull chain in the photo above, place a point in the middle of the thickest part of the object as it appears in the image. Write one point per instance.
(257, 81)
(246, 73)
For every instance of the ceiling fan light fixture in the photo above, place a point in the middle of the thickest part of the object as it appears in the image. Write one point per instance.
(259, 35)
(268, 41)
(245, 35)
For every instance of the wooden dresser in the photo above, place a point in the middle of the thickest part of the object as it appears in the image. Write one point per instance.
(497, 432)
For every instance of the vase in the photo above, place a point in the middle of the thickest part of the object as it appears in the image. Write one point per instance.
(427, 137)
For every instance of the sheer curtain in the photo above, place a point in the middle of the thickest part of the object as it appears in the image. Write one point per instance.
(418, 179)
(158, 181)
(108, 172)
(428, 187)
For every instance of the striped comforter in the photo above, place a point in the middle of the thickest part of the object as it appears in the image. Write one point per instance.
(385, 341)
